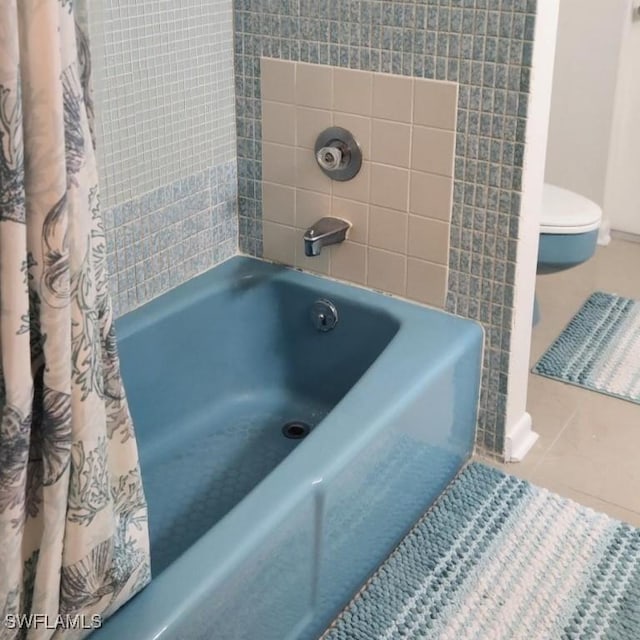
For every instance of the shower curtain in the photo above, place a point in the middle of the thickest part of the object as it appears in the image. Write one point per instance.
(73, 518)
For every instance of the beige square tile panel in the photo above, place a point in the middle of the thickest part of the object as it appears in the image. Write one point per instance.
(278, 80)
(357, 213)
(426, 282)
(389, 187)
(387, 271)
(306, 173)
(435, 104)
(360, 127)
(430, 195)
(279, 164)
(352, 91)
(310, 206)
(279, 242)
(428, 239)
(307, 123)
(399, 204)
(276, 122)
(349, 262)
(388, 229)
(278, 203)
(314, 85)
(392, 97)
(433, 151)
(391, 143)
(358, 188)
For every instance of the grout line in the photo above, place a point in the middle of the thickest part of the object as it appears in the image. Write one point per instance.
(412, 129)
(601, 499)
(544, 455)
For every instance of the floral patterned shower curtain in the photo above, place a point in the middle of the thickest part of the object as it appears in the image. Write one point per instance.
(73, 518)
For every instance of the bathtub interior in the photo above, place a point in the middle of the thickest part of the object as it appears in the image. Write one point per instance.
(212, 380)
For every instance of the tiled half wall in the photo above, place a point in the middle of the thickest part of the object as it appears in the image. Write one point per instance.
(399, 204)
(485, 46)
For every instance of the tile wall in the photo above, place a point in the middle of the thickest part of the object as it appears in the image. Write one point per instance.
(399, 204)
(164, 96)
(483, 45)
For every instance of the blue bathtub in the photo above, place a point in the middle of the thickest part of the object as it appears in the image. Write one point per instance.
(258, 536)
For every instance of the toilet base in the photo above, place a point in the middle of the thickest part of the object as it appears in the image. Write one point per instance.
(560, 251)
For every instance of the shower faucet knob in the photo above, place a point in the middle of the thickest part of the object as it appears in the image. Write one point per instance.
(338, 154)
(329, 158)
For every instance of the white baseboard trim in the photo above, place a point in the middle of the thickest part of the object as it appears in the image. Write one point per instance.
(520, 439)
(624, 235)
(604, 234)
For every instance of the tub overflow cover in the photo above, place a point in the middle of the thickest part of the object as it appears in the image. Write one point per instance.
(324, 315)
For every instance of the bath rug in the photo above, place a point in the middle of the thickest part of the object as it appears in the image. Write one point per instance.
(497, 558)
(599, 349)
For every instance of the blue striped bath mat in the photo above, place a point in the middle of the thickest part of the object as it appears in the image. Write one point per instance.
(599, 349)
(499, 559)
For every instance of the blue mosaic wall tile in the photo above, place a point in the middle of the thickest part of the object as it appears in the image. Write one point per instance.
(168, 235)
(484, 45)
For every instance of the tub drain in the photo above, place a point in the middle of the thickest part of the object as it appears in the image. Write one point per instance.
(295, 430)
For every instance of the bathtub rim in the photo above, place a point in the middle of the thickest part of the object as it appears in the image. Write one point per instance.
(193, 290)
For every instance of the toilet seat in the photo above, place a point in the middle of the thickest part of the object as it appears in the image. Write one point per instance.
(567, 212)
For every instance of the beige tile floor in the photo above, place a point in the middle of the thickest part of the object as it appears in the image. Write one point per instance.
(589, 445)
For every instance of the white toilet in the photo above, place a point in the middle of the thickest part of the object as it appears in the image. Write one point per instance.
(568, 230)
